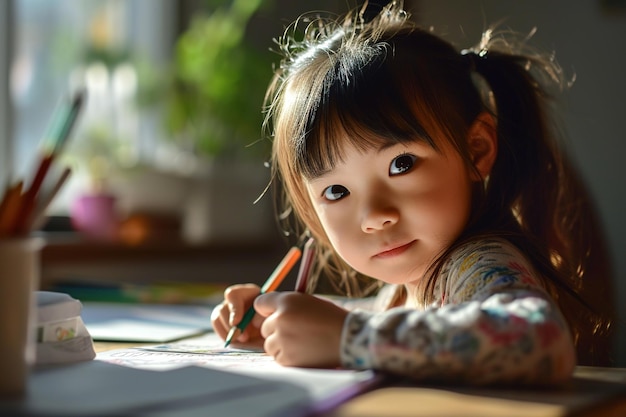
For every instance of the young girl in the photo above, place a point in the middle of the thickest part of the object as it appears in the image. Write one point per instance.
(437, 173)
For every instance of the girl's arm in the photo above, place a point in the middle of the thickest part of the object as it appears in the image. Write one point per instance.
(494, 323)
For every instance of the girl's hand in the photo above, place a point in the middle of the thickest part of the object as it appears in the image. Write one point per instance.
(300, 329)
(237, 300)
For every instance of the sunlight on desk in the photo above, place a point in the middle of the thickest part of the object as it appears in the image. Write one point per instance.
(593, 392)
(415, 402)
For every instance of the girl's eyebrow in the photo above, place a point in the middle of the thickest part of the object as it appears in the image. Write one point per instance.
(388, 145)
(378, 149)
(320, 176)
(383, 147)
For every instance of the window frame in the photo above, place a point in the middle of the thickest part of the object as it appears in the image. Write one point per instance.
(6, 108)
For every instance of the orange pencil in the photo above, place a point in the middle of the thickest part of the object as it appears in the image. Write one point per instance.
(271, 284)
(10, 209)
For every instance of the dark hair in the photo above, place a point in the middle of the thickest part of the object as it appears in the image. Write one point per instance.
(389, 80)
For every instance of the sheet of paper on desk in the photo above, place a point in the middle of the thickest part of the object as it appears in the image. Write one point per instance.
(327, 387)
(144, 323)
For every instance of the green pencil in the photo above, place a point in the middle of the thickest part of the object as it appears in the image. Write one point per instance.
(271, 284)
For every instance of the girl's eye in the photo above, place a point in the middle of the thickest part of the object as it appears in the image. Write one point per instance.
(402, 164)
(335, 192)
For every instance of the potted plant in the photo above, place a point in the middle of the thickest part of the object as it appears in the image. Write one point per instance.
(211, 95)
(211, 103)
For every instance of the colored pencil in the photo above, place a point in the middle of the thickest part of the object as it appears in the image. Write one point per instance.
(10, 208)
(59, 131)
(271, 284)
(38, 215)
(305, 266)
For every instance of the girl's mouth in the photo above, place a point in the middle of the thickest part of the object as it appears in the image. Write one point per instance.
(395, 251)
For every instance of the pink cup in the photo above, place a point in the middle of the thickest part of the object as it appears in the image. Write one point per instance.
(95, 215)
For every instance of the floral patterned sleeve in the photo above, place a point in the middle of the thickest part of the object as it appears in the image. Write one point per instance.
(493, 323)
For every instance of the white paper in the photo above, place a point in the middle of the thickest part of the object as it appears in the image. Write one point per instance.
(208, 351)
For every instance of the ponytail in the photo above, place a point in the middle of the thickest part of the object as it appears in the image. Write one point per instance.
(534, 180)
(524, 172)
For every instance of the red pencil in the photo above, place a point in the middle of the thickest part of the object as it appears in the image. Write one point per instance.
(27, 204)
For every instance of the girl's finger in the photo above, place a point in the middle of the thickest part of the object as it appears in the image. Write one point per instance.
(239, 298)
(272, 347)
(267, 304)
(218, 316)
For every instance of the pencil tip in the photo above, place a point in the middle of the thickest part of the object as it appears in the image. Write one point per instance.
(230, 336)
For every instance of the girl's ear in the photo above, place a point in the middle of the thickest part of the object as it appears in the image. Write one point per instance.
(482, 141)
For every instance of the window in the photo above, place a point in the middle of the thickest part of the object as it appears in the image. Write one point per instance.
(102, 45)
(61, 45)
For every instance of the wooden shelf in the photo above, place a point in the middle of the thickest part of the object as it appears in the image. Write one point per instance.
(73, 248)
(68, 256)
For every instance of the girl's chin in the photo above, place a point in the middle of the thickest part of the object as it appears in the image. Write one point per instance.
(399, 279)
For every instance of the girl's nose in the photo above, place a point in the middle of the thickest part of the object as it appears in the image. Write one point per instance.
(378, 216)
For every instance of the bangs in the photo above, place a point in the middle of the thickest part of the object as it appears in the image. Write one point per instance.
(354, 109)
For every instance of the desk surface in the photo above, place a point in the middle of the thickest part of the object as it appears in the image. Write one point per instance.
(597, 392)
(593, 392)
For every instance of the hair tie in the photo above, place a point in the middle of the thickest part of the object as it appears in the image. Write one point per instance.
(480, 54)
(473, 57)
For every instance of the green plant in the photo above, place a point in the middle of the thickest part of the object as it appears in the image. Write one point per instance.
(212, 95)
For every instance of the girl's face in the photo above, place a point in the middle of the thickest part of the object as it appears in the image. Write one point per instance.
(390, 212)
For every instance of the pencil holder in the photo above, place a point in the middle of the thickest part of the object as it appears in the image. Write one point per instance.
(19, 278)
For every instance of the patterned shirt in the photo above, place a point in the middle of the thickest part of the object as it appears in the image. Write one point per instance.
(493, 322)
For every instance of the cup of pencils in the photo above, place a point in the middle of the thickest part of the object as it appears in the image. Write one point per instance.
(22, 209)
(19, 278)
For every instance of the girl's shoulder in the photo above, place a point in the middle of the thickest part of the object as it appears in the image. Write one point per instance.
(483, 248)
(480, 267)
